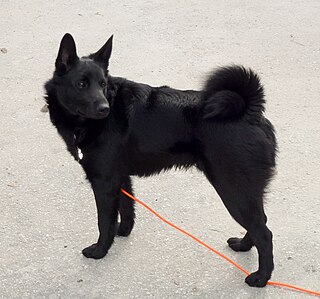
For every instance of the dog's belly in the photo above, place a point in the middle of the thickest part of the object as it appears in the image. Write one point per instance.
(145, 164)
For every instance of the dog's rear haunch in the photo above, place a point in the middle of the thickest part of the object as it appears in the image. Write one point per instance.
(125, 128)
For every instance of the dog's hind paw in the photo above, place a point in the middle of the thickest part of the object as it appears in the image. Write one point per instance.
(257, 279)
(237, 244)
(94, 251)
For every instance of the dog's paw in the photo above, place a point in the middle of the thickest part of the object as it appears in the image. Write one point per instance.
(125, 228)
(94, 251)
(257, 279)
(238, 245)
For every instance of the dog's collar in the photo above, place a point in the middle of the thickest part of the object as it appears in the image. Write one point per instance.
(84, 135)
(79, 141)
(78, 153)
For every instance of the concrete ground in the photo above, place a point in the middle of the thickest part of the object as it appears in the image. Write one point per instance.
(47, 210)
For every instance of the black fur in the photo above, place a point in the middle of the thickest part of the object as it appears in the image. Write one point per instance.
(125, 128)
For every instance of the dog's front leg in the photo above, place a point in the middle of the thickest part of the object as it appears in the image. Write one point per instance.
(106, 194)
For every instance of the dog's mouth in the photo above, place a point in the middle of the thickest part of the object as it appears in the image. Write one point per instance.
(98, 115)
(84, 115)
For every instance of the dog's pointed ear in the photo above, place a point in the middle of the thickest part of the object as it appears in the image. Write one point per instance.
(103, 55)
(67, 55)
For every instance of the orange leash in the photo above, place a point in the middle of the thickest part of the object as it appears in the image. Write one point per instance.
(279, 284)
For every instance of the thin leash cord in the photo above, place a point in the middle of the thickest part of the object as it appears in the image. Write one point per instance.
(274, 283)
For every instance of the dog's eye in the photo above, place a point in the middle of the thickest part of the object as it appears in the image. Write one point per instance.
(82, 84)
(103, 84)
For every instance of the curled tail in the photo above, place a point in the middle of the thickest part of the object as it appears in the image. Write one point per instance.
(231, 93)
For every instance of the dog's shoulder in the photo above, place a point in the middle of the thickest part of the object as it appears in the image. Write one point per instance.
(128, 95)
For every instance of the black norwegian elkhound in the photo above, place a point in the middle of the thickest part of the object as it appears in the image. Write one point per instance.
(125, 128)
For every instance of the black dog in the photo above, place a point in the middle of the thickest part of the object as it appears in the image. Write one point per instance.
(125, 128)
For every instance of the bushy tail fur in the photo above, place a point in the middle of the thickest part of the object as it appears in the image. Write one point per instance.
(233, 92)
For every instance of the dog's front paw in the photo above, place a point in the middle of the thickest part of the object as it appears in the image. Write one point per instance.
(125, 228)
(257, 279)
(94, 251)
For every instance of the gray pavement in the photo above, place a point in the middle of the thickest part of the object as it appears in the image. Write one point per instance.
(47, 211)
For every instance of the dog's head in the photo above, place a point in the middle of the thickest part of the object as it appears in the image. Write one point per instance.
(81, 83)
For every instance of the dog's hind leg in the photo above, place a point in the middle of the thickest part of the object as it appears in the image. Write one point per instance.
(242, 244)
(126, 209)
(243, 197)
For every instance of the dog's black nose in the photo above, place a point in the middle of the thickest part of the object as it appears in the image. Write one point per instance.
(103, 109)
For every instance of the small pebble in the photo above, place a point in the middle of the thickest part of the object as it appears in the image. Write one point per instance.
(45, 109)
